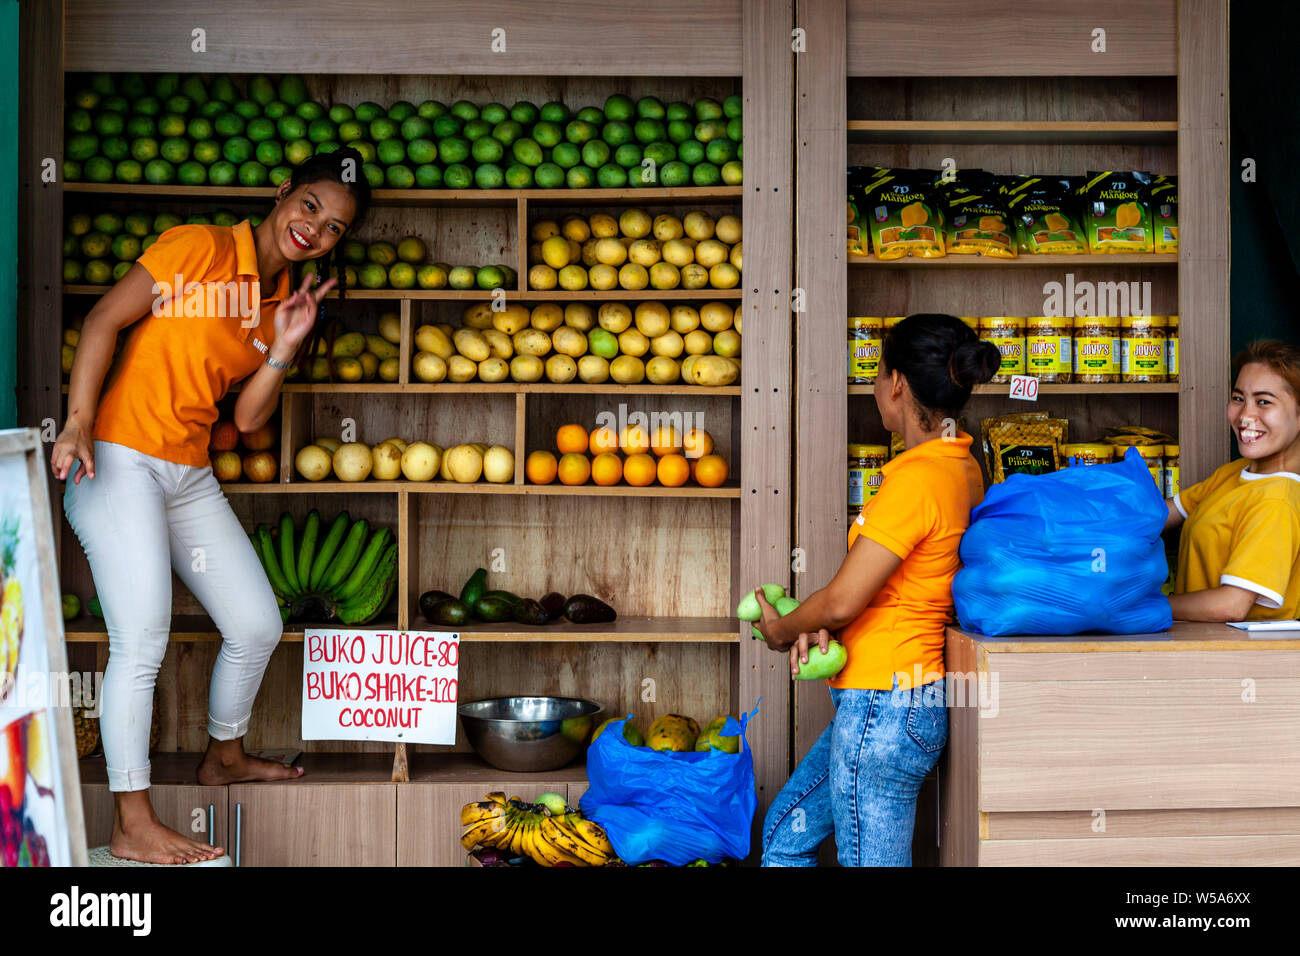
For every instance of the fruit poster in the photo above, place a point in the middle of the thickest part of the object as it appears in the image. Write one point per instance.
(41, 822)
(380, 685)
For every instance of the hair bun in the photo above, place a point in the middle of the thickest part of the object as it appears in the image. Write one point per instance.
(974, 362)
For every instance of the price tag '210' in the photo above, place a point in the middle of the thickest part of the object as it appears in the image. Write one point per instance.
(1024, 387)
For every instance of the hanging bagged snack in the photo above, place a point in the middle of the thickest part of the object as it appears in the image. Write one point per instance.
(1164, 214)
(1028, 443)
(978, 221)
(857, 245)
(1046, 223)
(903, 211)
(1116, 211)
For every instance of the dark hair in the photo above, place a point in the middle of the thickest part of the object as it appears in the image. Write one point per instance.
(942, 359)
(1279, 356)
(343, 166)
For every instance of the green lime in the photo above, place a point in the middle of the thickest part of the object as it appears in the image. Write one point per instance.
(368, 111)
(507, 131)
(70, 247)
(159, 172)
(628, 155)
(382, 129)
(292, 89)
(708, 130)
(367, 150)
(580, 131)
(270, 153)
(399, 177)
(446, 126)
(519, 176)
(207, 151)
(707, 108)
(144, 149)
(276, 110)
(164, 221)
(95, 245)
(524, 112)
(261, 89)
(222, 87)
(661, 152)
(489, 176)
(131, 84)
(547, 134)
(171, 125)
(720, 151)
(390, 151)
(138, 126)
(453, 149)
(487, 150)
(690, 152)
(78, 224)
(79, 121)
(109, 222)
(121, 269)
(734, 129)
(733, 173)
(328, 146)
(86, 99)
(341, 113)
(457, 176)
(279, 174)
(591, 116)
(421, 151)
(102, 83)
(428, 176)
(252, 173)
(148, 241)
(81, 146)
(382, 252)
(237, 149)
(494, 113)
(595, 153)
(259, 129)
(554, 112)
(98, 272)
(110, 124)
(401, 275)
(198, 220)
(213, 108)
(115, 148)
(705, 174)
(527, 151)
(650, 107)
(464, 109)
(126, 248)
(580, 177)
(401, 111)
(146, 105)
(372, 276)
(351, 130)
(97, 169)
(674, 173)
(297, 151)
(549, 176)
(321, 130)
(353, 251)
(430, 109)
(649, 130)
(566, 155)
(476, 129)
(228, 124)
(192, 173)
(128, 171)
(490, 277)
(223, 173)
(462, 277)
(309, 110)
(165, 84)
(679, 131)
(643, 176)
(616, 133)
(415, 127)
(431, 277)
(72, 271)
(199, 128)
(374, 174)
(247, 109)
(678, 110)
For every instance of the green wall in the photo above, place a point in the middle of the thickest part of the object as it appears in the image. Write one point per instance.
(8, 211)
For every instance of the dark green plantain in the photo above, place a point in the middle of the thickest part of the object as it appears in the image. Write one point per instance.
(266, 553)
(351, 587)
(288, 556)
(347, 556)
(327, 550)
(308, 548)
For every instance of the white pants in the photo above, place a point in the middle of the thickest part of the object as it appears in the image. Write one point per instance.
(139, 519)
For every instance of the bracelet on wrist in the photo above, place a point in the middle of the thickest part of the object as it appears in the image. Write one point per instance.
(275, 363)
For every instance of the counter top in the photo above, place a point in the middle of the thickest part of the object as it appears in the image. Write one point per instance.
(1183, 636)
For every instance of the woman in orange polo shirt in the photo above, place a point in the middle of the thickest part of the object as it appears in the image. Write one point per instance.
(890, 601)
(208, 306)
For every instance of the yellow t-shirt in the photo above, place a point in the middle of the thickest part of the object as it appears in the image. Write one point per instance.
(1243, 529)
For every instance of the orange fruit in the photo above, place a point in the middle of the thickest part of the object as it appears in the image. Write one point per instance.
(574, 469)
(571, 439)
(607, 468)
(640, 470)
(603, 439)
(711, 471)
(666, 441)
(634, 440)
(673, 470)
(540, 467)
(698, 443)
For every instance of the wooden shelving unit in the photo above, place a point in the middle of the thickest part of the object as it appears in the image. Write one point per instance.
(1020, 262)
(1014, 132)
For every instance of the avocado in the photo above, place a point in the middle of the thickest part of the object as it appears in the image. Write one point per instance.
(474, 588)
(448, 611)
(529, 611)
(504, 595)
(93, 607)
(585, 609)
(553, 605)
(493, 610)
(430, 598)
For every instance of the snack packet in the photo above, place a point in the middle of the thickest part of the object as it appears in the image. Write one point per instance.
(903, 210)
(1116, 211)
(1164, 214)
(1046, 223)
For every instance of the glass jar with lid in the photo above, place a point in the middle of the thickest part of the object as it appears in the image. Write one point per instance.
(1007, 332)
(1171, 350)
(1154, 456)
(1096, 349)
(865, 336)
(865, 475)
(1142, 348)
(1088, 453)
(1047, 348)
(1171, 470)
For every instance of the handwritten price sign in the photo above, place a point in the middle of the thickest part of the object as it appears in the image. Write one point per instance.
(1024, 387)
(380, 685)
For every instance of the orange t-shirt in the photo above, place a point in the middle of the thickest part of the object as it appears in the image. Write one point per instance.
(181, 358)
(920, 513)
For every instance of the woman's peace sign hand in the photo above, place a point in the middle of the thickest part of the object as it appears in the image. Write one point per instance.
(297, 314)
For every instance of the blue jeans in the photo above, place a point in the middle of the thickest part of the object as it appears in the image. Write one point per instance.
(860, 779)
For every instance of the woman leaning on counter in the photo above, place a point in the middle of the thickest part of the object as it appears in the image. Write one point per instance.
(1239, 554)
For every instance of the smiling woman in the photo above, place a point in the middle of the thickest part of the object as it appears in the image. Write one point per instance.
(1239, 554)
(210, 306)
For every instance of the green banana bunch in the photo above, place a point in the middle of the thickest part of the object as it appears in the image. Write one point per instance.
(353, 573)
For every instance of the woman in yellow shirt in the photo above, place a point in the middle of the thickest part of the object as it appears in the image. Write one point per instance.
(1239, 553)
(890, 601)
(207, 306)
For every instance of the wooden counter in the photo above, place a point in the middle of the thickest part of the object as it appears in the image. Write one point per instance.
(1179, 748)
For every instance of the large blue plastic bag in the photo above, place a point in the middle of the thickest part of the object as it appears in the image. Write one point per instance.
(675, 807)
(1075, 550)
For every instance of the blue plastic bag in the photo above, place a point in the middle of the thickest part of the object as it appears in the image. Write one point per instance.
(675, 807)
(1075, 550)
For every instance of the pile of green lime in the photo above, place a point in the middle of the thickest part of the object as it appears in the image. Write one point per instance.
(404, 265)
(195, 130)
(98, 248)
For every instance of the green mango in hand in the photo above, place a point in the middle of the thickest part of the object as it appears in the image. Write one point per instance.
(821, 665)
(749, 609)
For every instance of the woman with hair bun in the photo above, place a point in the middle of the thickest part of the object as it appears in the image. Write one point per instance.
(889, 605)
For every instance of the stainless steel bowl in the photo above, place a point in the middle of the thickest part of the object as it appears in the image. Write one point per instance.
(528, 733)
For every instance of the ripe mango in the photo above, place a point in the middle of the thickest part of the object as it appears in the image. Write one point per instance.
(631, 732)
(711, 738)
(673, 732)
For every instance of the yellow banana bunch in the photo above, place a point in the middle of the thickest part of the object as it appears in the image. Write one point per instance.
(519, 829)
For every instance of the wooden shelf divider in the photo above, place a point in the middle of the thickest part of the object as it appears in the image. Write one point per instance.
(1014, 132)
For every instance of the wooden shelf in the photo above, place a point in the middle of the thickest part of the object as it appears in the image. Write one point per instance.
(510, 388)
(996, 132)
(1021, 262)
(191, 628)
(485, 295)
(1119, 389)
(474, 488)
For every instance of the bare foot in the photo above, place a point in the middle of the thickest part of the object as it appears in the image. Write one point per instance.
(225, 765)
(148, 841)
